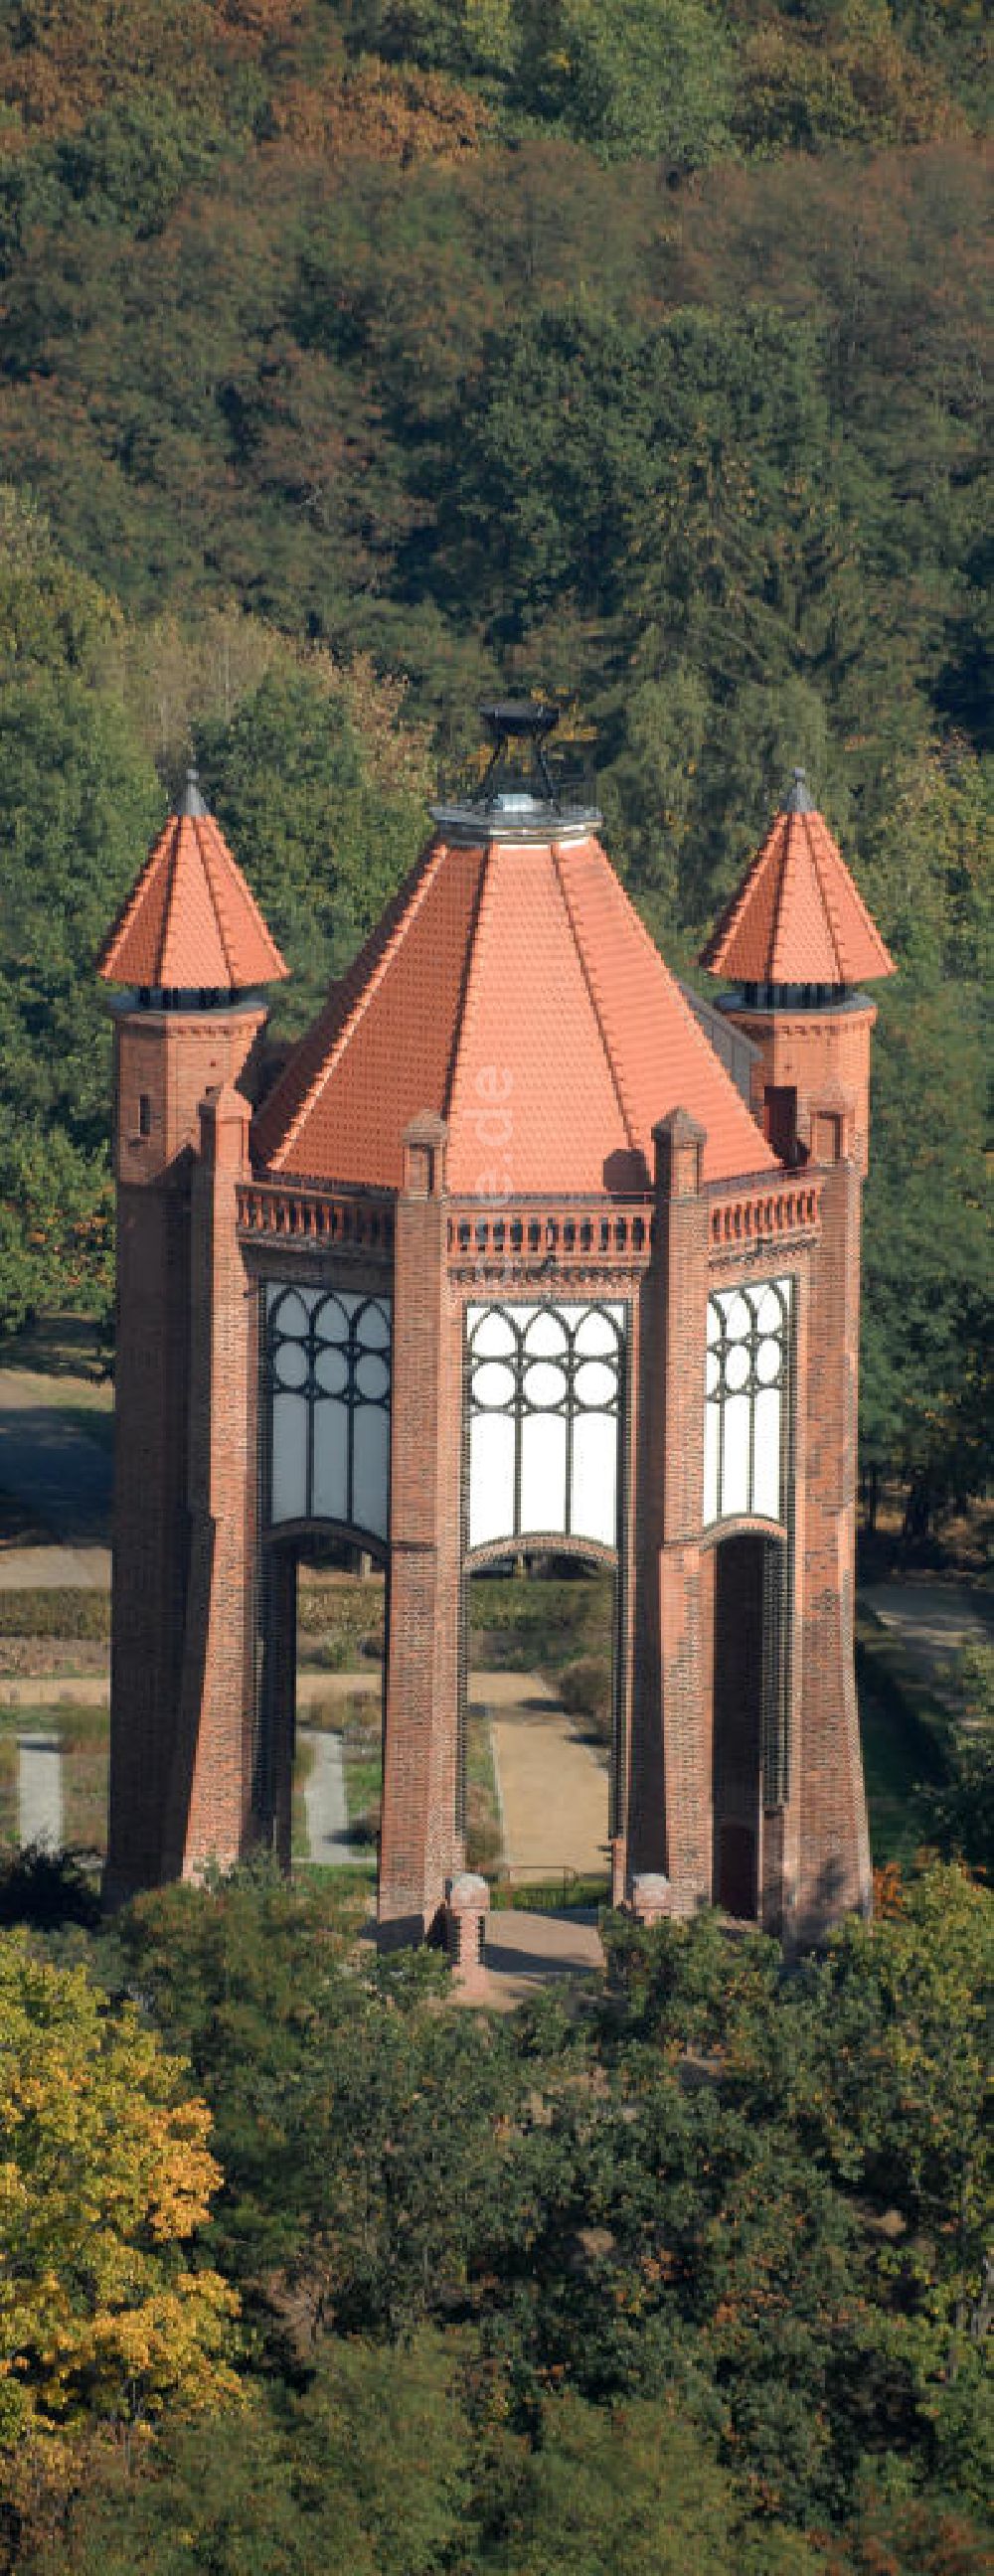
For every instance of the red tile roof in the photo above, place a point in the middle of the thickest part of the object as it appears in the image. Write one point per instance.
(513, 990)
(190, 922)
(797, 917)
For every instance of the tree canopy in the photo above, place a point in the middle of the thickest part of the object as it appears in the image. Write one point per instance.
(632, 353)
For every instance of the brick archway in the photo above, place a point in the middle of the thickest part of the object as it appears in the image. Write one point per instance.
(748, 1711)
(585, 1557)
(276, 1652)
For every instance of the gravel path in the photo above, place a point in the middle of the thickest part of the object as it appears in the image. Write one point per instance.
(553, 1788)
(932, 1619)
(325, 1803)
(63, 1478)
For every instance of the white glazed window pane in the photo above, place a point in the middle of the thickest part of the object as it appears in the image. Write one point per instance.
(289, 1474)
(735, 1477)
(543, 1472)
(331, 1371)
(712, 1417)
(491, 1478)
(596, 1335)
(766, 1472)
(372, 1377)
(371, 1470)
(596, 1384)
(290, 1361)
(493, 1384)
(289, 1310)
(544, 1384)
(331, 1431)
(332, 1318)
(594, 1501)
(770, 1314)
(736, 1314)
(736, 1366)
(491, 1334)
(546, 1336)
(714, 1320)
(768, 1362)
(373, 1329)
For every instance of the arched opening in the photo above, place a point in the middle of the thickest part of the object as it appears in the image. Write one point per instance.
(545, 1397)
(324, 1486)
(749, 1750)
(320, 1693)
(539, 1723)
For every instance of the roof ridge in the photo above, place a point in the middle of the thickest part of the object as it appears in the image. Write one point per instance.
(591, 981)
(358, 1006)
(200, 825)
(466, 1011)
(786, 876)
(827, 891)
(169, 906)
(733, 909)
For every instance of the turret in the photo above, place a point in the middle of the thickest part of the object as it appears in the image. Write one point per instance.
(193, 952)
(797, 942)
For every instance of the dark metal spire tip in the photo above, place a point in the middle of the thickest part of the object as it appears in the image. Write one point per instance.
(191, 802)
(799, 801)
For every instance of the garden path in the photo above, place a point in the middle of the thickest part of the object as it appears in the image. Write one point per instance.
(552, 1784)
(324, 1801)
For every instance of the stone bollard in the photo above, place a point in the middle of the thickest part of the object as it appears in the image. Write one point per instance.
(651, 1898)
(467, 1905)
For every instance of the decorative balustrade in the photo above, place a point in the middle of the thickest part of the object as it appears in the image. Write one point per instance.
(620, 1236)
(351, 1223)
(757, 1215)
(617, 1237)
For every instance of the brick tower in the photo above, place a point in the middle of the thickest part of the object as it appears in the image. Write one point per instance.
(798, 941)
(514, 1258)
(192, 947)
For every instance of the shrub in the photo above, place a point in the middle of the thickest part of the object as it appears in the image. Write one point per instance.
(586, 1689)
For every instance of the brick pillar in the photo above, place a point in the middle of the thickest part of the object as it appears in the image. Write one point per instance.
(419, 1848)
(670, 1825)
(164, 1061)
(150, 1526)
(467, 1911)
(210, 1789)
(833, 1867)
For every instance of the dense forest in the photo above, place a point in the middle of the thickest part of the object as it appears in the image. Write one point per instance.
(362, 355)
(308, 2276)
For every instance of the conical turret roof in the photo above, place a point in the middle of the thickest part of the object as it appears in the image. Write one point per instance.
(512, 989)
(190, 922)
(797, 917)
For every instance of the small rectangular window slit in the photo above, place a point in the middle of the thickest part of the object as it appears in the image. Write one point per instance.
(144, 1113)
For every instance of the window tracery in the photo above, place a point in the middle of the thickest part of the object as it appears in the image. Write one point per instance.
(328, 1363)
(745, 1416)
(544, 1404)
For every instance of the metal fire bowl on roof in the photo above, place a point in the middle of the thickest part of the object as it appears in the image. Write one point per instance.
(519, 719)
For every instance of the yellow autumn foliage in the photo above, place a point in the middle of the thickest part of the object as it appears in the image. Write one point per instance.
(105, 2177)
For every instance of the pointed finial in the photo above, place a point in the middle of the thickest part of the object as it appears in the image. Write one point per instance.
(191, 801)
(799, 801)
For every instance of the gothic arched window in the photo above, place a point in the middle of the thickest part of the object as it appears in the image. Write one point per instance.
(329, 1377)
(544, 1400)
(746, 1410)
